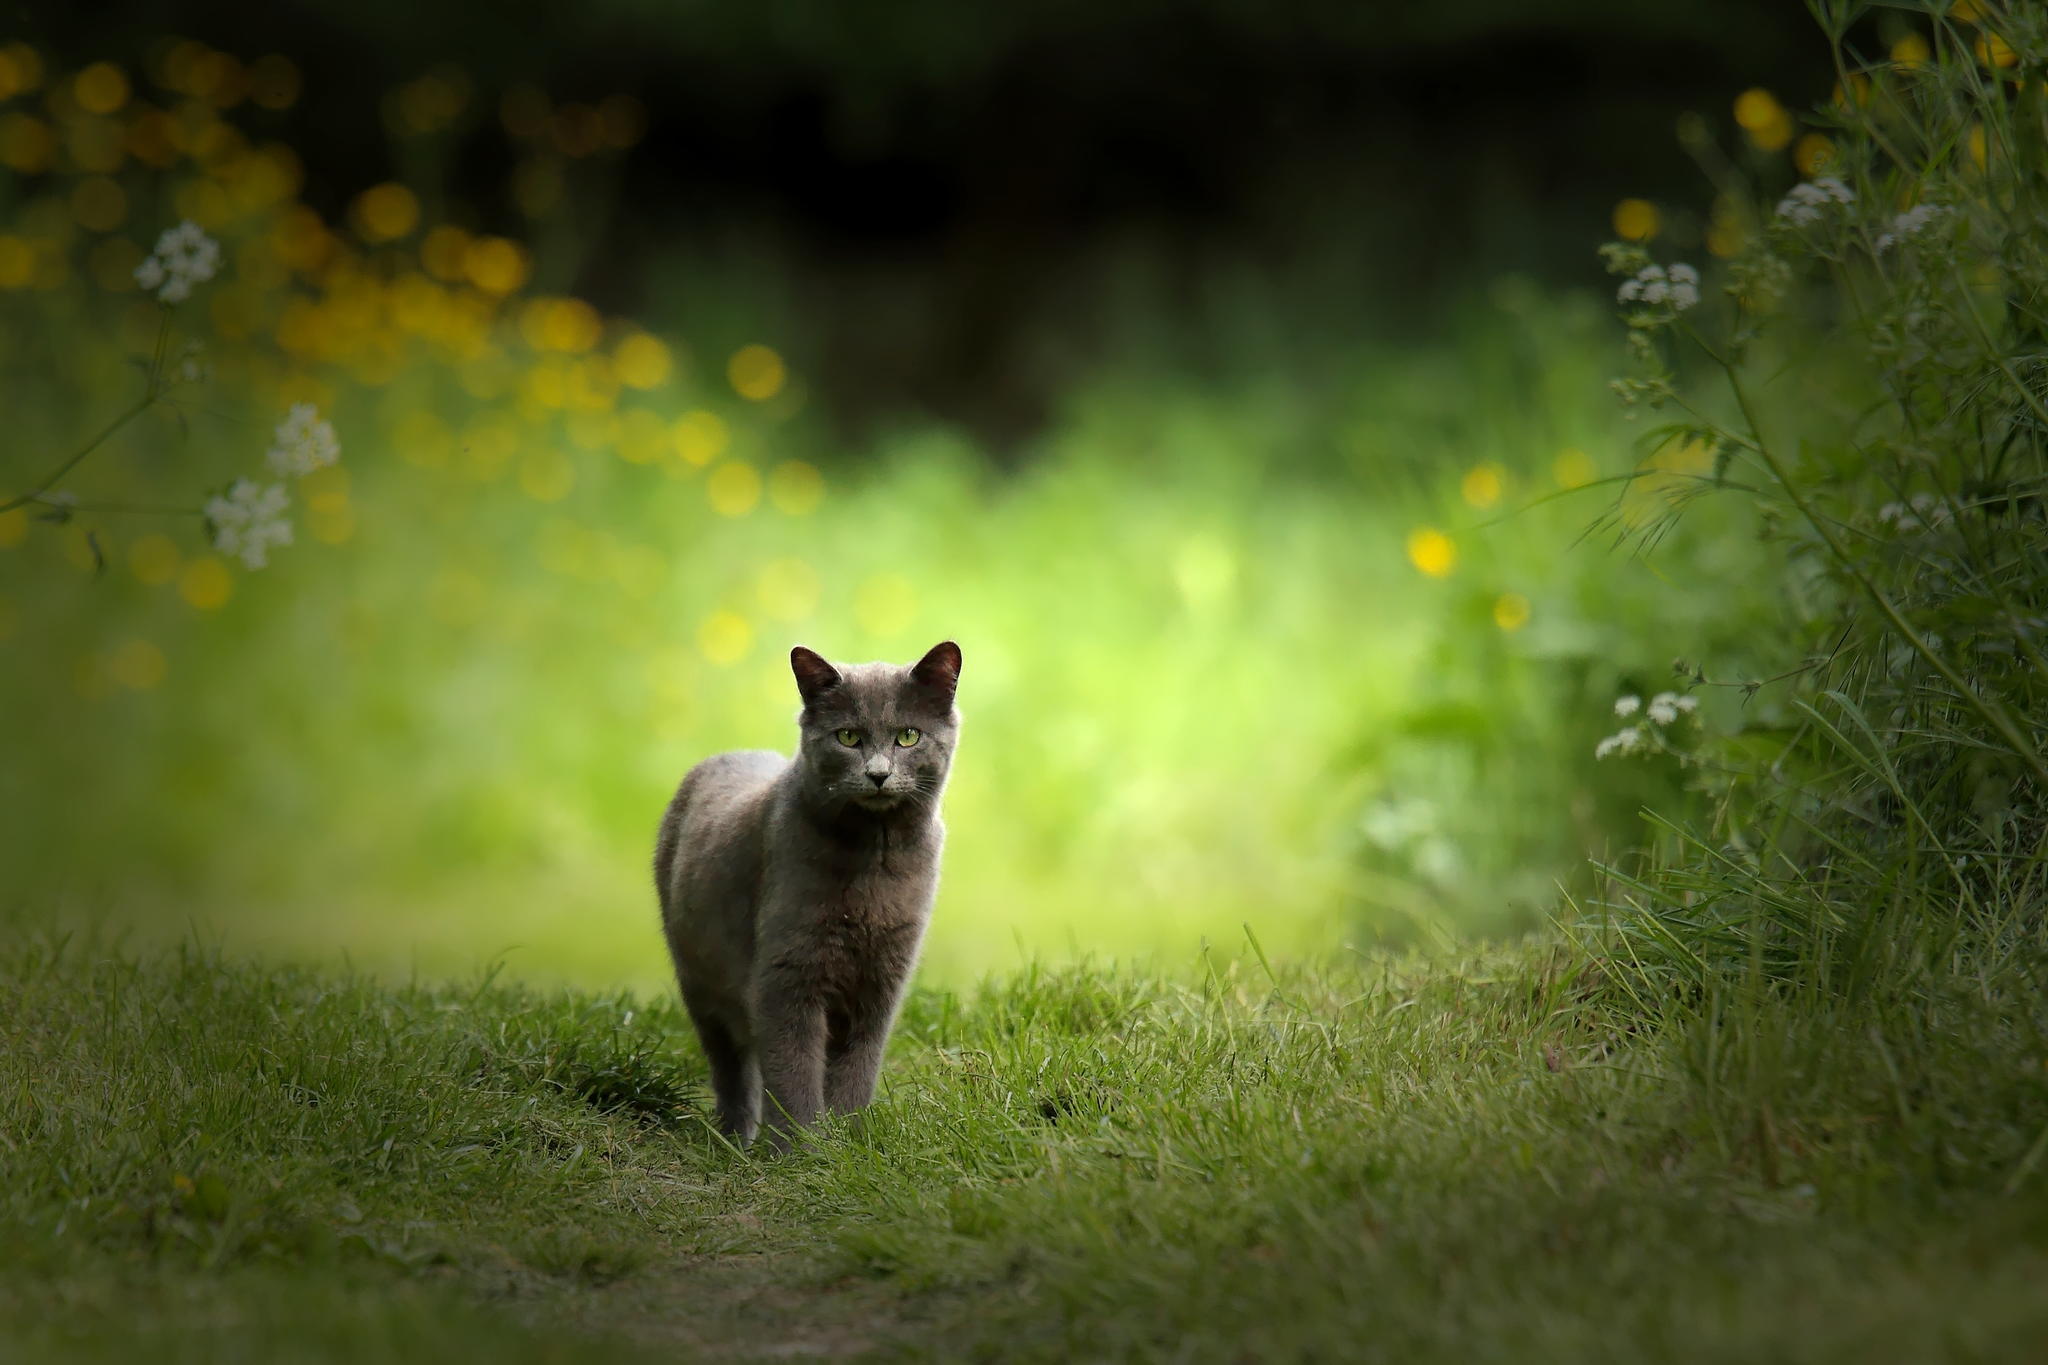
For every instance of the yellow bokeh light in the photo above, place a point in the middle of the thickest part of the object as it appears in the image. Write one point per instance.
(1966, 11)
(1813, 154)
(386, 212)
(1636, 220)
(1911, 51)
(496, 265)
(98, 203)
(641, 437)
(546, 475)
(1728, 227)
(155, 559)
(795, 488)
(1664, 480)
(700, 437)
(1764, 119)
(274, 81)
(24, 67)
(1431, 551)
(568, 325)
(788, 589)
(642, 361)
(725, 637)
(1483, 485)
(101, 88)
(206, 583)
(443, 252)
(1855, 93)
(1573, 468)
(733, 489)
(756, 372)
(204, 202)
(885, 605)
(26, 144)
(13, 527)
(138, 664)
(1993, 50)
(17, 263)
(331, 518)
(1511, 611)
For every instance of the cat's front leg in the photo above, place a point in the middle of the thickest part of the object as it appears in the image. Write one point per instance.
(790, 1039)
(852, 1066)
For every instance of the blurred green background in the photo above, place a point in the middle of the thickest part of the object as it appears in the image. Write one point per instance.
(1230, 381)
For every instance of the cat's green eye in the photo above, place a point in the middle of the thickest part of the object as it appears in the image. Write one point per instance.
(850, 738)
(907, 737)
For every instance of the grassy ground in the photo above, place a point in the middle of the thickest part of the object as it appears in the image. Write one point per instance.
(1381, 1159)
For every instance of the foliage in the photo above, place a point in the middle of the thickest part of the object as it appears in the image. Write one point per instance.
(1871, 377)
(1292, 645)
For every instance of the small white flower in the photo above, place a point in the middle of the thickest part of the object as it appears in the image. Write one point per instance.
(1908, 225)
(1802, 205)
(184, 256)
(1663, 708)
(1626, 740)
(1627, 706)
(1677, 287)
(1687, 703)
(1921, 512)
(249, 520)
(304, 442)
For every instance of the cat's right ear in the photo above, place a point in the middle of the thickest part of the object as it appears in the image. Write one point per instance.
(814, 677)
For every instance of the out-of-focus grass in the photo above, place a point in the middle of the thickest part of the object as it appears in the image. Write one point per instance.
(1206, 680)
(1274, 646)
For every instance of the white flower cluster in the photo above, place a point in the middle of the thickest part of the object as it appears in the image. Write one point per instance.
(1664, 709)
(1921, 512)
(304, 442)
(184, 256)
(1679, 286)
(249, 520)
(1807, 200)
(1909, 225)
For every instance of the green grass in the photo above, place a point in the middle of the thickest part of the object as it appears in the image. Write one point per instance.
(1385, 1158)
(1204, 682)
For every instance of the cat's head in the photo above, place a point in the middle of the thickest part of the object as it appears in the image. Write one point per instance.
(877, 737)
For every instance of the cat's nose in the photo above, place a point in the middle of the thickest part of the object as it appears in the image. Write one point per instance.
(878, 778)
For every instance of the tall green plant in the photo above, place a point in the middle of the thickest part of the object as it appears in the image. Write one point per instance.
(1872, 367)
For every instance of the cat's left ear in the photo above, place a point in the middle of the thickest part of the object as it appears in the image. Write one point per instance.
(939, 670)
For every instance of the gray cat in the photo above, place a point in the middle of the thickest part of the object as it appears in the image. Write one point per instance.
(794, 892)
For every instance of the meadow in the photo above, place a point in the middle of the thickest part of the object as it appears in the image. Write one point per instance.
(1445, 864)
(1318, 650)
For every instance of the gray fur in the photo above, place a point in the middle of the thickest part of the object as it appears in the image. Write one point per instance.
(795, 892)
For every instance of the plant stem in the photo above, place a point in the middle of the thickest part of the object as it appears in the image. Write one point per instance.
(151, 391)
(1993, 714)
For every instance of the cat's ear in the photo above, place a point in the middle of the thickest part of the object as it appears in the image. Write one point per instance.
(939, 670)
(814, 677)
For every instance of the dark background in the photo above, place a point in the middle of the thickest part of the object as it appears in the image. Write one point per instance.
(969, 206)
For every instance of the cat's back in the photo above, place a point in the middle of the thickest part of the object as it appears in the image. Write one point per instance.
(712, 827)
